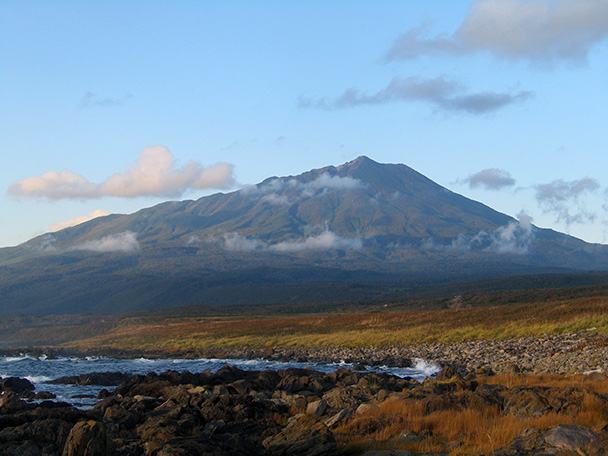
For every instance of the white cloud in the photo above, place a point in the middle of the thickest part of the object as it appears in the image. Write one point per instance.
(78, 220)
(325, 240)
(515, 237)
(154, 174)
(277, 200)
(237, 243)
(121, 242)
(490, 179)
(287, 190)
(540, 30)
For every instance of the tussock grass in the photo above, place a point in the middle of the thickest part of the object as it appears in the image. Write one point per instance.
(476, 430)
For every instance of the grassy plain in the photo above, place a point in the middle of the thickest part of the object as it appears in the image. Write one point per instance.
(375, 326)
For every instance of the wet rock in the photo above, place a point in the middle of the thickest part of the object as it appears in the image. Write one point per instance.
(95, 378)
(16, 385)
(44, 395)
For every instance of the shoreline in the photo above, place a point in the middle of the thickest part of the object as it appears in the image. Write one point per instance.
(580, 352)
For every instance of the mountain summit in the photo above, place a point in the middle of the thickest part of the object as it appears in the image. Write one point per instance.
(360, 223)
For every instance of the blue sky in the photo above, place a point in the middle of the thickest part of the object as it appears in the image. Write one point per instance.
(109, 107)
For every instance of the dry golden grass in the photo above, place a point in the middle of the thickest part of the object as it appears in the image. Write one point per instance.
(356, 329)
(468, 431)
(480, 429)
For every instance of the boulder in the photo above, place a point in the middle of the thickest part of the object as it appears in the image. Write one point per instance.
(87, 438)
(305, 435)
(10, 403)
(95, 378)
(316, 408)
(568, 437)
(565, 438)
(16, 385)
(339, 417)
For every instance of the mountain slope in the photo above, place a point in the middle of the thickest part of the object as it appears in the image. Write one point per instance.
(285, 239)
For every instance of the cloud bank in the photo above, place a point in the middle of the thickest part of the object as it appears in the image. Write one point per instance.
(490, 179)
(121, 242)
(440, 92)
(564, 199)
(540, 31)
(78, 220)
(154, 174)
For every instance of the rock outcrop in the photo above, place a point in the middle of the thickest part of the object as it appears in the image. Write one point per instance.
(274, 413)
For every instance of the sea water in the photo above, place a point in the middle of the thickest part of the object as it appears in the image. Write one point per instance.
(40, 370)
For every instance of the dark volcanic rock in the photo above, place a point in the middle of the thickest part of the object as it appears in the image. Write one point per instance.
(95, 378)
(556, 440)
(305, 435)
(87, 438)
(16, 385)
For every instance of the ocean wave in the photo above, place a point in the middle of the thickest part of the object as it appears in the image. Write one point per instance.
(38, 378)
(426, 367)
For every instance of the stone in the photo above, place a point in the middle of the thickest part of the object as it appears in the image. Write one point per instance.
(305, 435)
(316, 408)
(569, 437)
(336, 419)
(10, 403)
(87, 438)
(16, 385)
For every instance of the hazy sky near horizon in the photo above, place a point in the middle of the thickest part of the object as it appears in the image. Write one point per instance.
(110, 107)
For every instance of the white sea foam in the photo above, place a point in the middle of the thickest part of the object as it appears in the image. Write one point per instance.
(428, 368)
(38, 378)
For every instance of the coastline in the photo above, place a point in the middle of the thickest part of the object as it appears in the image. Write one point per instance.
(585, 351)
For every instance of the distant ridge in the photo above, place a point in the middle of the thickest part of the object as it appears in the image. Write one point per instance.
(362, 223)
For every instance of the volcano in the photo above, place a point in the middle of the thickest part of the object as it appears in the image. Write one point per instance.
(328, 233)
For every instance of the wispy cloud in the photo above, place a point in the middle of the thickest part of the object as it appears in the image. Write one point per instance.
(121, 242)
(490, 179)
(78, 220)
(90, 99)
(565, 199)
(537, 31)
(286, 191)
(154, 174)
(326, 240)
(440, 92)
(514, 238)
(237, 243)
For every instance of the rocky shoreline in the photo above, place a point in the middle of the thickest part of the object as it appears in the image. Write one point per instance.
(584, 351)
(293, 412)
(304, 412)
